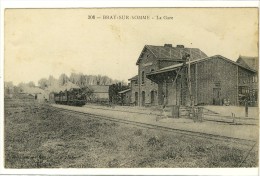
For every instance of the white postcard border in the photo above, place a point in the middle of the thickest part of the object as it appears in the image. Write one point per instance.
(101, 4)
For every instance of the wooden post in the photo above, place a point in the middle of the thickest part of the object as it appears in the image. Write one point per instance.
(237, 85)
(246, 108)
(196, 83)
(189, 83)
(200, 114)
(189, 87)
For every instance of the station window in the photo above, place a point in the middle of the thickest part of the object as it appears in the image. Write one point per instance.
(142, 77)
(217, 84)
(255, 79)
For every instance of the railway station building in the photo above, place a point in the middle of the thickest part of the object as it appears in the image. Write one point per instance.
(163, 78)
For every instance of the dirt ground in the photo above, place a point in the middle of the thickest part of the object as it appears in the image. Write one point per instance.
(38, 136)
(238, 111)
(228, 129)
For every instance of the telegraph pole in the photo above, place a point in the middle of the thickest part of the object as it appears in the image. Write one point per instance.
(186, 59)
(189, 87)
(189, 83)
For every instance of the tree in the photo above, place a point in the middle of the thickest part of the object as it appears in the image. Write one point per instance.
(8, 88)
(31, 84)
(51, 81)
(88, 93)
(114, 90)
(73, 78)
(82, 80)
(43, 83)
(63, 79)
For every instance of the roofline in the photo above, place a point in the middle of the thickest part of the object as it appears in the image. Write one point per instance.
(171, 60)
(100, 92)
(123, 91)
(197, 61)
(148, 47)
(251, 57)
(166, 70)
(97, 85)
(236, 63)
(246, 58)
(133, 78)
(145, 46)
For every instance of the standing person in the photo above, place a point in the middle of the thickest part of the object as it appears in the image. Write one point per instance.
(163, 112)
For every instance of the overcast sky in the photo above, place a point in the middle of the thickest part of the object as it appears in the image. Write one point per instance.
(43, 42)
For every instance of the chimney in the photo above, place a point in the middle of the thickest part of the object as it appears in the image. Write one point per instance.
(180, 46)
(167, 45)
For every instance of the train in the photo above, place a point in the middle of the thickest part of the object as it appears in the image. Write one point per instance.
(100, 94)
(73, 97)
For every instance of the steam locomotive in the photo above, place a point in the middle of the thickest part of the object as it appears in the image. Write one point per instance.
(73, 97)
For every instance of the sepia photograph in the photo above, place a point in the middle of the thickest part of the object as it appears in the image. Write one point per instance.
(131, 88)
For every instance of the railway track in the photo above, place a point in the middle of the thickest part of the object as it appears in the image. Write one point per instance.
(215, 137)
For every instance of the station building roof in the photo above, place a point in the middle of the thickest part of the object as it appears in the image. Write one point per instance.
(168, 52)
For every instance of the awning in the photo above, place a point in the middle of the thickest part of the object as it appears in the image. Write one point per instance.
(161, 76)
(124, 91)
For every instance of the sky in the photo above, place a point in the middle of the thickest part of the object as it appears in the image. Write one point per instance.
(43, 42)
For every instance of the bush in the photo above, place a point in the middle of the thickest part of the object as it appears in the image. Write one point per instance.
(154, 142)
(109, 144)
(200, 149)
(135, 146)
(138, 132)
(170, 153)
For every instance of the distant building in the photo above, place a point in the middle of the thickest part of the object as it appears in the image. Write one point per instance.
(100, 93)
(125, 97)
(248, 84)
(8, 91)
(134, 87)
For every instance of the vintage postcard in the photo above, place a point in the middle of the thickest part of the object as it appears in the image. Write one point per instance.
(131, 88)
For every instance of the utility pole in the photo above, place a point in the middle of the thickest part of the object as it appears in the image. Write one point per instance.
(246, 105)
(190, 94)
(191, 103)
(189, 82)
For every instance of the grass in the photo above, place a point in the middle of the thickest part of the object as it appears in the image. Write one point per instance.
(37, 136)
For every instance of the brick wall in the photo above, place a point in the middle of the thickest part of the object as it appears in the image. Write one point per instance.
(147, 64)
(134, 90)
(213, 74)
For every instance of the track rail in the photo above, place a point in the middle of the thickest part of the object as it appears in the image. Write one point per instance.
(215, 137)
